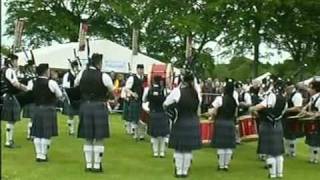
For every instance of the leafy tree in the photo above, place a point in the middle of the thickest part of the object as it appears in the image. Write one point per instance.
(245, 25)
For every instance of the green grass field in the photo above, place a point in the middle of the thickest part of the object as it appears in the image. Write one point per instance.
(126, 159)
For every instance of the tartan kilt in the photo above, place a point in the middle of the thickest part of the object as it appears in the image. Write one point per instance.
(28, 110)
(44, 122)
(125, 110)
(94, 122)
(185, 134)
(313, 139)
(11, 109)
(70, 109)
(158, 124)
(134, 111)
(271, 138)
(224, 134)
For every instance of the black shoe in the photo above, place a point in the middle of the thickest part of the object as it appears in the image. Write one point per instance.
(87, 169)
(141, 139)
(226, 169)
(184, 176)
(219, 168)
(41, 160)
(175, 174)
(12, 145)
(71, 134)
(100, 170)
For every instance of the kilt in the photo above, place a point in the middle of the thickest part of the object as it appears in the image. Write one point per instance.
(134, 111)
(313, 139)
(44, 122)
(94, 123)
(158, 125)
(70, 109)
(224, 134)
(270, 138)
(28, 110)
(11, 109)
(125, 110)
(185, 134)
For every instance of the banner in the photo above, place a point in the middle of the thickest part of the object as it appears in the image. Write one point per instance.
(18, 34)
(82, 35)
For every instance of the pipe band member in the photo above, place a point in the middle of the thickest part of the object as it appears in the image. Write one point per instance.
(71, 109)
(45, 92)
(185, 132)
(134, 88)
(271, 111)
(313, 137)
(159, 127)
(10, 88)
(295, 103)
(225, 108)
(93, 114)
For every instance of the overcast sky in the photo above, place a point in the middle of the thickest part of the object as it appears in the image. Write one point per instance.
(276, 58)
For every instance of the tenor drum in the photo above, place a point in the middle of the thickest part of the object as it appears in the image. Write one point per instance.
(163, 70)
(248, 128)
(206, 130)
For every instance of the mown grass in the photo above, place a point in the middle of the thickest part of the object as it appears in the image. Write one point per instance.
(126, 159)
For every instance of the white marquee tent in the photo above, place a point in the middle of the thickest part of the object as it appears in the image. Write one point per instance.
(261, 77)
(307, 81)
(115, 57)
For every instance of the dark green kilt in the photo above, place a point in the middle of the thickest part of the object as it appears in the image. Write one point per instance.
(125, 110)
(11, 109)
(134, 111)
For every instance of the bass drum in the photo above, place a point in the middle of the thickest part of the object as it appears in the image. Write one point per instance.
(163, 70)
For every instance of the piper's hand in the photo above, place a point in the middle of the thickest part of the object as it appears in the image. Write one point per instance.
(135, 95)
(252, 109)
(164, 107)
(210, 111)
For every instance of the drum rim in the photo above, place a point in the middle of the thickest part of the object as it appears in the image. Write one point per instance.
(244, 117)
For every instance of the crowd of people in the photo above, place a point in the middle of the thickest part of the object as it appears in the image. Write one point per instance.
(169, 115)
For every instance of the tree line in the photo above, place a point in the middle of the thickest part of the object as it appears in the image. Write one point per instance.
(165, 27)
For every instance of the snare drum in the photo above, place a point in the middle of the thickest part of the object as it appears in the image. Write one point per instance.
(311, 127)
(248, 128)
(293, 128)
(206, 130)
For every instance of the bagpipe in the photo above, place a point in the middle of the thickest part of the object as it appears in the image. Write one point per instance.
(72, 94)
(29, 73)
